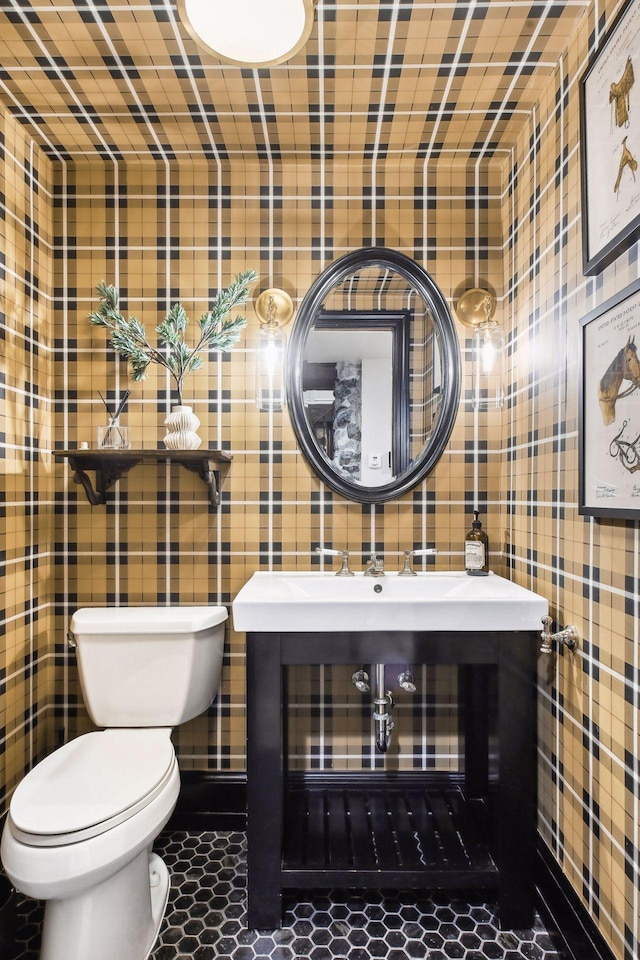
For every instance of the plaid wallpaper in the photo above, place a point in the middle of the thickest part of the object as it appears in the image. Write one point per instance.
(377, 78)
(26, 482)
(180, 229)
(162, 234)
(589, 701)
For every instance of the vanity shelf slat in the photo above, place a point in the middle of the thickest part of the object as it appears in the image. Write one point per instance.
(375, 836)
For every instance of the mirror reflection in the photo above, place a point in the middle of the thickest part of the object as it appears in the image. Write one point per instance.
(373, 374)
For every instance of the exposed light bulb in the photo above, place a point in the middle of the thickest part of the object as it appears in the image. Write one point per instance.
(488, 356)
(489, 365)
(270, 368)
(271, 355)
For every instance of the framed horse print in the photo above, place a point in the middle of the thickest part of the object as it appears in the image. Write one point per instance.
(609, 408)
(610, 143)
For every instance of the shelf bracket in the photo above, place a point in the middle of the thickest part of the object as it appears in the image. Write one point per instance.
(207, 472)
(107, 473)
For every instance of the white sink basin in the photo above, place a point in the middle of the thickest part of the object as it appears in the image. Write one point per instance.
(314, 602)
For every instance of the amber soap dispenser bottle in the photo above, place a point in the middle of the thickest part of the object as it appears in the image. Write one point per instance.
(476, 550)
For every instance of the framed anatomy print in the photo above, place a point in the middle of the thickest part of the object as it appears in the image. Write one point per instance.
(610, 143)
(609, 410)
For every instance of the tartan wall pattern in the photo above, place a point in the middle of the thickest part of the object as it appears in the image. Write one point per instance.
(180, 229)
(589, 701)
(26, 508)
(389, 78)
(162, 235)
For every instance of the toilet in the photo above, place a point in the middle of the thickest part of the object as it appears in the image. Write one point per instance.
(82, 823)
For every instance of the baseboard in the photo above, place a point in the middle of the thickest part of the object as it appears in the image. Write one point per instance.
(210, 800)
(564, 915)
(216, 800)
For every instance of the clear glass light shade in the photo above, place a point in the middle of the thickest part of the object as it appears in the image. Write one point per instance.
(249, 32)
(271, 349)
(489, 366)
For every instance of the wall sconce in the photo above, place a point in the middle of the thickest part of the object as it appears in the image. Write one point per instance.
(274, 309)
(254, 33)
(476, 309)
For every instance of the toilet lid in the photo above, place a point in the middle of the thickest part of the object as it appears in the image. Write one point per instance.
(92, 783)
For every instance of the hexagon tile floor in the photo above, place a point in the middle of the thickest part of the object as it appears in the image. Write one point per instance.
(206, 918)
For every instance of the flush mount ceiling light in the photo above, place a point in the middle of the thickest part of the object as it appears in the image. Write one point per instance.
(257, 33)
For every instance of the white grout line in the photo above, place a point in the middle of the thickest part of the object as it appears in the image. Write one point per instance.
(380, 119)
(24, 113)
(451, 77)
(19, 10)
(32, 426)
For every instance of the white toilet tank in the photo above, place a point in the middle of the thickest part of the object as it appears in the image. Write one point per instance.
(148, 666)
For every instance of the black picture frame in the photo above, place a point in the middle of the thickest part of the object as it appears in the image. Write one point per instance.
(610, 143)
(609, 408)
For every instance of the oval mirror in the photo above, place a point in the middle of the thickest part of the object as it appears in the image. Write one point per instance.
(373, 375)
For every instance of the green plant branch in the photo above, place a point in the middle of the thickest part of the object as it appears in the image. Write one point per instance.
(217, 331)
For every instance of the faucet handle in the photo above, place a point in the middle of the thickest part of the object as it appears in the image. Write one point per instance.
(344, 569)
(407, 570)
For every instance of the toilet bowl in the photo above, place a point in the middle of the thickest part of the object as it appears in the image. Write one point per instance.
(82, 823)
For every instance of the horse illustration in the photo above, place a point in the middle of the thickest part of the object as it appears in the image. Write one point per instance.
(626, 160)
(624, 366)
(619, 95)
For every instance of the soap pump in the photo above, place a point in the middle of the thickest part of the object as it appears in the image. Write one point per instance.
(476, 549)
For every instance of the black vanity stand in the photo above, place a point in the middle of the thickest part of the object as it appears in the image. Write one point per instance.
(475, 831)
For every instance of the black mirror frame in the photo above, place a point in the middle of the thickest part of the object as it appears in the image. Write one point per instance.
(309, 309)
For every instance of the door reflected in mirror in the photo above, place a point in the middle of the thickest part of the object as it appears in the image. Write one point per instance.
(347, 383)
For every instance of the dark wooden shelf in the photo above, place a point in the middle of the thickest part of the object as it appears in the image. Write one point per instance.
(418, 836)
(110, 465)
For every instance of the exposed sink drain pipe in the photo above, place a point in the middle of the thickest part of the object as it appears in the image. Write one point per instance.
(383, 702)
(383, 699)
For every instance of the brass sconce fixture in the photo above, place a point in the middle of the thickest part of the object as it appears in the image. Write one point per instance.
(274, 309)
(476, 309)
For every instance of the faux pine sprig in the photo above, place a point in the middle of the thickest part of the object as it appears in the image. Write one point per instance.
(217, 331)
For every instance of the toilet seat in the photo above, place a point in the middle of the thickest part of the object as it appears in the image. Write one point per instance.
(90, 785)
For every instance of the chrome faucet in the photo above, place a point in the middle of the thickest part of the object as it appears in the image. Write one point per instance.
(344, 569)
(375, 566)
(407, 570)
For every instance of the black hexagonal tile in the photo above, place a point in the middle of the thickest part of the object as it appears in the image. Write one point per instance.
(206, 917)
(302, 946)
